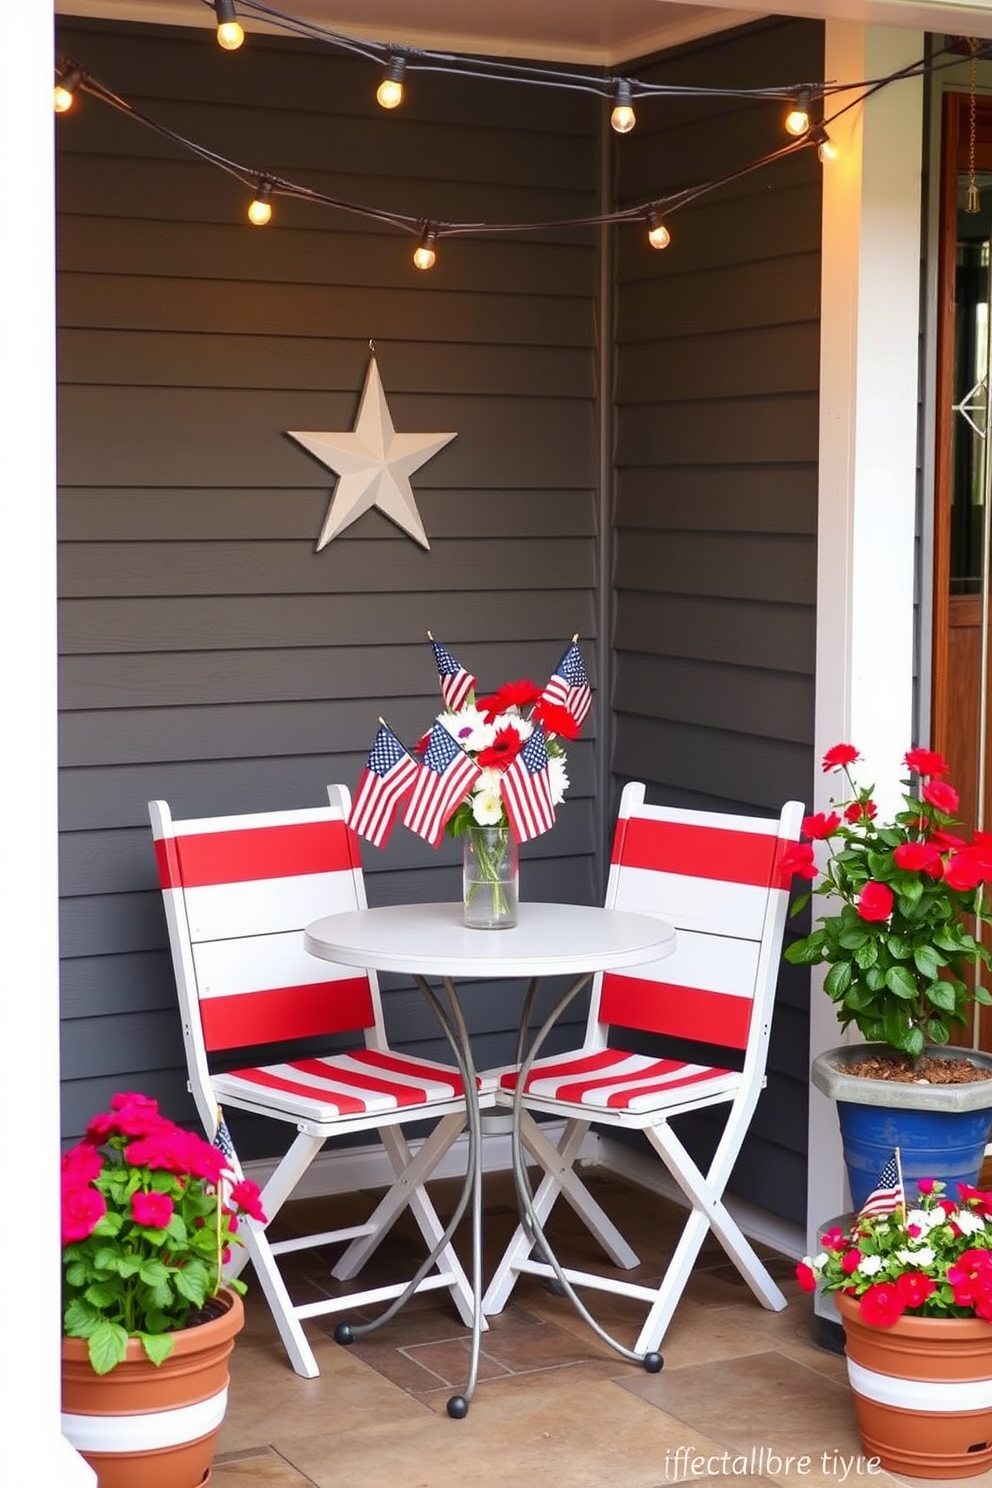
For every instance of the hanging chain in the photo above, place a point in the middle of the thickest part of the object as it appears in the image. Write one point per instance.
(973, 203)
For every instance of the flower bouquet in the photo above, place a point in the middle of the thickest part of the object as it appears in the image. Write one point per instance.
(490, 770)
(149, 1211)
(904, 965)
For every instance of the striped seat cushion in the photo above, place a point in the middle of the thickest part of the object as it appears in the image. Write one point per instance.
(613, 1080)
(360, 1082)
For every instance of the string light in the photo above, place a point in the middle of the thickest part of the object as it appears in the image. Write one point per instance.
(826, 150)
(797, 119)
(623, 117)
(260, 210)
(425, 255)
(658, 234)
(65, 89)
(389, 94)
(230, 32)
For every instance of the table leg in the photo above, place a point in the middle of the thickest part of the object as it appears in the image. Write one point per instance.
(651, 1361)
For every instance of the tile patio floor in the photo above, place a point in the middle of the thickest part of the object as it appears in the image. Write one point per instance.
(741, 1391)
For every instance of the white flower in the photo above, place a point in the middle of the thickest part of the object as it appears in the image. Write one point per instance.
(922, 1256)
(471, 728)
(487, 807)
(869, 1265)
(523, 726)
(558, 778)
(925, 1219)
(968, 1222)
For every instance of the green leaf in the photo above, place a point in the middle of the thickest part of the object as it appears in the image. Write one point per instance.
(158, 1346)
(928, 963)
(107, 1346)
(838, 979)
(942, 995)
(900, 983)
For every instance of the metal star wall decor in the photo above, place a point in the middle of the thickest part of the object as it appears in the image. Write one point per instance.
(374, 464)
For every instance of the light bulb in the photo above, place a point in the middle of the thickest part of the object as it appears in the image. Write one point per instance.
(230, 32)
(658, 234)
(65, 90)
(260, 210)
(826, 150)
(623, 117)
(425, 255)
(389, 94)
(797, 119)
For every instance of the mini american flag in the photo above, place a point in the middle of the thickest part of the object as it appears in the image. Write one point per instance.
(456, 682)
(526, 788)
(443, 780)
(569, 686)
(386, 779)
(887, 1196)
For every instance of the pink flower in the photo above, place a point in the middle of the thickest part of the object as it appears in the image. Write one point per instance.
(875, 902)
(914, 1288)
(970, 1276)
(151, 1209)
(82, 1210)
(247, 1196)
(80, 1164)
(925, 1185)
(882, 1305)
(850, 1261)
(839, 756)
(833, 1239)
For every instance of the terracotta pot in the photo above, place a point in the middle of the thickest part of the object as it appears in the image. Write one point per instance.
(922, 1392)
(156, 1426)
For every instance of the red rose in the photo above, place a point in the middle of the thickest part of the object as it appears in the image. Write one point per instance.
(798, 859)
(839, 756)
(941, 795)
(926, 762)
(965, 871)
(875, 902)
(881, 1305)
(820, 826)
(919, 857)
(247, 1196)
(860, 811)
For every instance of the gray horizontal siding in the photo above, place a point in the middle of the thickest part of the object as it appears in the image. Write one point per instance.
(209, 655)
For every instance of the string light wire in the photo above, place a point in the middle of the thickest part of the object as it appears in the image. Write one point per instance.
(250, 176)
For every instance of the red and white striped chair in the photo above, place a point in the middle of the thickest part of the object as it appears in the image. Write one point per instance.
(716, 878)
(238, 892)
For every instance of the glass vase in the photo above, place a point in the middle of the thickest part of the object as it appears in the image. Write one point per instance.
(490, 878)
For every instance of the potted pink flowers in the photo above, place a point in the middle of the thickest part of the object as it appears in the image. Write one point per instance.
(149, 1213)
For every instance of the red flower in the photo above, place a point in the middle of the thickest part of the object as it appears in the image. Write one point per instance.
(80, 1165)
(798, 859)
(875, 902)
(833, 1239)
(850, 1261)
(860, 811)
(151, 1209)
(971, 1276)
(555, 719)
(247, 1196)
(966, 870)
(926, 762)
(806, 1277)
(941, 795)
(519, 695)
(881, 1305)
(820, 826)
(502, 751)
(839, 756)
(914, 1288)
(82, 1210)
(925, 1185)
(919, 857)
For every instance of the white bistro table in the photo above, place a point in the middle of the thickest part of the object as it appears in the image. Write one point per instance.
(432, 940)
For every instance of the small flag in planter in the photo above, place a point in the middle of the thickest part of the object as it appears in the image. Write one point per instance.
(456, 682)
(443, 780)
(887, 1196)
(569, 685)
(386, 779)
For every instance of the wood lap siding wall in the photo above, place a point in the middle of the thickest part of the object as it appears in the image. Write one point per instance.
(208, 654)
(717, 344)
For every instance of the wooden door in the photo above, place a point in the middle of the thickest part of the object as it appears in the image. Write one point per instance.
(962, 716)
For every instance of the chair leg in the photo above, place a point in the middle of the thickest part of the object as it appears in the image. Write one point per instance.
(282, 1182)
(560, 1178)
(709, 1212)
(295, 1342)
(408, 1190)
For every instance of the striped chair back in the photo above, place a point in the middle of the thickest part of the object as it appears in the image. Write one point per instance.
(238, 892)
(716, 878)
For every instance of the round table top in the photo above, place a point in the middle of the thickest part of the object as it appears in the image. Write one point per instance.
(433, 939)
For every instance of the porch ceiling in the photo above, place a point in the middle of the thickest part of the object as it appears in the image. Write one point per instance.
(582, 31)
